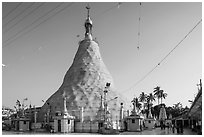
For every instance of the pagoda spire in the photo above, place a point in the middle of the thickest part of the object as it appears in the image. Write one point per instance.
(88, 25)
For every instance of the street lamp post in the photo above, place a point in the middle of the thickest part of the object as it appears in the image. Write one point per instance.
(105, 106)
(105, 103)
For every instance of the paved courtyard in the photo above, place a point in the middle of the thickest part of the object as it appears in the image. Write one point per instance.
(156, 131)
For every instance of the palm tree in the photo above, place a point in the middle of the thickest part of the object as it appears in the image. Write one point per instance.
(143, 98)
(162, 95)
(157, 93)
(150, 99)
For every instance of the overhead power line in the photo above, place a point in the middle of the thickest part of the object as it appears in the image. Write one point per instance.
(29, 13)
(139, 20)
(180, 42)
(32, 23)
(19, 4)
(109, 9)
(19, 13)
(9, 42)
(146, 75)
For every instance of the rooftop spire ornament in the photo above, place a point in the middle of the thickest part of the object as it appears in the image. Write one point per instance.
(119, 4)
(88, 8)
(88, 25)
(65, 101)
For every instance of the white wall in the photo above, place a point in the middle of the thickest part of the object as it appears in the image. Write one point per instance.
(65, 127)
(88, 127)
(133, 126)
(149, 123)
(36, 125)
(22, 126)
(55, 125)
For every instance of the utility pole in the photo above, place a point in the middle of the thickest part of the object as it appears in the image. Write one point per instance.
(35, 118)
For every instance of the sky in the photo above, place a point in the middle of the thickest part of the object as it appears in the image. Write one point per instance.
(39, 45)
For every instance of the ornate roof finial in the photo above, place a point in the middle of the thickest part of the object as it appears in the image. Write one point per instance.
(88, 8)
(88, 25)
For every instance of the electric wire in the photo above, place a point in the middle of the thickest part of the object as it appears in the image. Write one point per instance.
(37, 24)
(29, 13)
(33, 22)
(180, 42)
(109, 9)
(139, 19)
(19, 4)
(118, 5)
(140, 80)
(19, 13)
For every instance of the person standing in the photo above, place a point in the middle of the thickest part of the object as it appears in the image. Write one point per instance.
(177, 128)
(168, 126)
(161, 124)
(173, 128)
(181, 128)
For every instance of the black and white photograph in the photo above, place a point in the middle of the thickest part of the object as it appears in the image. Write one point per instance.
(101, 68)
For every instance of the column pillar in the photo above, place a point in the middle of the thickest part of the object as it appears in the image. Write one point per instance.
(183, 122)
(82, 114)
(121, 116)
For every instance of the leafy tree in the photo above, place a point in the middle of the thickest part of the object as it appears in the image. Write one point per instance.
(156, 110)
(7, 112)
(143, 99)
(169, 110)
(177, 106)
(175, 110)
